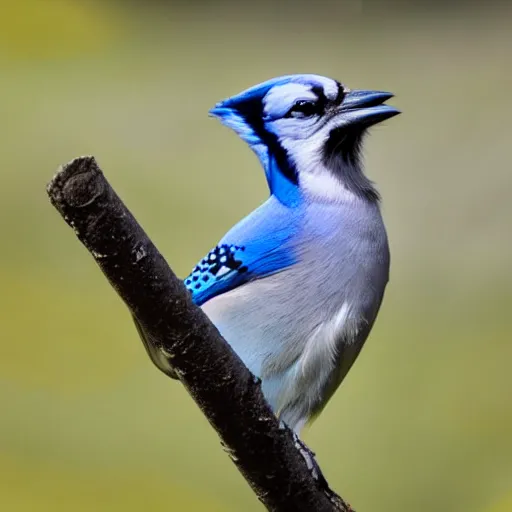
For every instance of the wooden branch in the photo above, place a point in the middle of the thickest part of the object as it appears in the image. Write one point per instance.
(180, 338)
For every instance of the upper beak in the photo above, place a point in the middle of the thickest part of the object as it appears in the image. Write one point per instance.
(366, 107)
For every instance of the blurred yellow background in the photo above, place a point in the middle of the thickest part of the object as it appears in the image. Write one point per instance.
(424, 420)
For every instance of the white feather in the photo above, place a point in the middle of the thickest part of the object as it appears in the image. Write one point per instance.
(315, 179)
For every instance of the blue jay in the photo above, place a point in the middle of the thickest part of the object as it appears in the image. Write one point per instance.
(295, 287)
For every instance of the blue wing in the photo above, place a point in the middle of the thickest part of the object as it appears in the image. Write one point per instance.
(258, 246)
(223, 268)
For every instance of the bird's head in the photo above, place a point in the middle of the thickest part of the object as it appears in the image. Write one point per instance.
(307, 132)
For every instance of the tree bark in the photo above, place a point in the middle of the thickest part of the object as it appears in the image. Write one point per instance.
(180, 339)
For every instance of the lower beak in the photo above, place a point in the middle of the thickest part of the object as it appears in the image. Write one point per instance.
(367, 108)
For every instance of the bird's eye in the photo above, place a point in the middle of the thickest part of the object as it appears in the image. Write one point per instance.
(303, 108)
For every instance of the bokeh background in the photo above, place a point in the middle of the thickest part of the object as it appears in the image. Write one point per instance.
(424, 420)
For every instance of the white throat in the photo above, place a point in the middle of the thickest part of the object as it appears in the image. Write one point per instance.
(315, 179)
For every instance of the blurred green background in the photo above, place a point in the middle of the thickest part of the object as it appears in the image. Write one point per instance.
(424, 420)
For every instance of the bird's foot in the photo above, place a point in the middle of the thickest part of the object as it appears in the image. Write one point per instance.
(311, 462)
(315, 471)
(317, 474)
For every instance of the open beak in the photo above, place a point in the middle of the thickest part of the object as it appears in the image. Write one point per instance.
(366, 108)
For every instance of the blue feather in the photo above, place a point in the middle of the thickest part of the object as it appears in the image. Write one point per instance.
(244, 114)
(220, 270)
(257, 246)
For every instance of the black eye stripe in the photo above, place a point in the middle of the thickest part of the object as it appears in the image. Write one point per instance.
(252, 111)
(310, 107)
(322, 98)
(341, 94)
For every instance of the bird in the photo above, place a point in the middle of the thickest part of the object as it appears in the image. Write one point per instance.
(295, 287)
